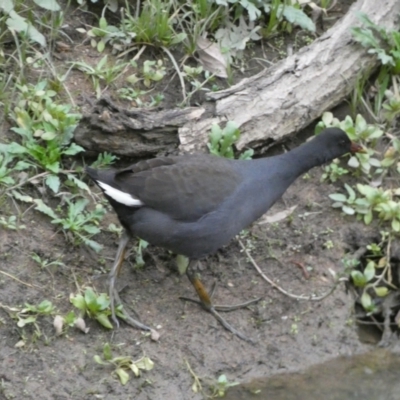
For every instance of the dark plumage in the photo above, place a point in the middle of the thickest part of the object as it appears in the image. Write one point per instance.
(194, 204)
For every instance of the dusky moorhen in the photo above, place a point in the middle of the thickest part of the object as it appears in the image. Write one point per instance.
(195, 204)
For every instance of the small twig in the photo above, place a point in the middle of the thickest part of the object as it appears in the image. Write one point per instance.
(195, 377)
(178, 71)
(32, 178)
(8, 308)
(368, 108)
(302, 267)
(137, 55)
(378, 325)
(19, 280)
(196, 89)
(283, 291)
(78, 288)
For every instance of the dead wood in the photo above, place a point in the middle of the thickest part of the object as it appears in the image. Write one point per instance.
(291, 94)
(132, 132)
(267, 107)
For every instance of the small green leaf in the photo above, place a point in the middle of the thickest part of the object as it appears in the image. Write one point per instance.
(43, 208)
(338, 197)
(15, 148)
(222, 379)
(48, 135)
(7, 5)
(368, 217)
(103, 320)
(50, 5)
(327, 118)
(54, 167)
(53, 182)
(21, 197)
(22, 165)
(182, 263)
(358, 278)
(348, 210)
(79, 302)
(103, 23)
(381, 291)
(78, 182)
(91, 300)
(366, 301)
(91, 229)
(369, 271)
(180, 37)
(101, 46)
(132, 79)
(99, 360)
(20, 24)
(25, 321)
(353, 162)
(103, 301)
(145, 363)
(73, 149)
(70, 318)
(92, 244)
(351, 192)
(375, 162)
(122, 375)
(297, 17)
(107, 353)
(135, 369)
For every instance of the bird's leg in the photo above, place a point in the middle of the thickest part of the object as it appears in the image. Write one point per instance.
(206, 302)
(112, 291)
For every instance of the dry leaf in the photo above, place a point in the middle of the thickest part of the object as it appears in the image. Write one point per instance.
(270, 219)
(211, 57)
(154, 335)
(81, 325)
(58, 324)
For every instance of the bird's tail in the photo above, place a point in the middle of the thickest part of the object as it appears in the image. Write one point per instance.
(93, 173)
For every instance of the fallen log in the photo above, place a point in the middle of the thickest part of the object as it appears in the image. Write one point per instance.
(294, 92)
(267, 107)
(132, 132)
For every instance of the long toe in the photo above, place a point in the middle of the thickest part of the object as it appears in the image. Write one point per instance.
(123, 314)
(206, 302)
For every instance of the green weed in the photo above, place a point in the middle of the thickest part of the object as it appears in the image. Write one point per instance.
(123, 364)
(102, 72)
(221, 141)
(79, 225)
(94, 306)
(385, 43)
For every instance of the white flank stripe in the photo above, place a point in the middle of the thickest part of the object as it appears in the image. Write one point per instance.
(119, 196)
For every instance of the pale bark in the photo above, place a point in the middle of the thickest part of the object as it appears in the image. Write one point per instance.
(267, 107)
(294, 92)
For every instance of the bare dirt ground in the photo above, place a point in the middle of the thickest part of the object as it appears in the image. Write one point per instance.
(289, 334)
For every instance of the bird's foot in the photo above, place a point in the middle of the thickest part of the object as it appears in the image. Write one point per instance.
(205, 300)
(222, 308)
(124, 315)
(213, 309)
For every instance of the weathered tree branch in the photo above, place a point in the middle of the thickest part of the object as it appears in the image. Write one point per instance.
(132, 132)
(268, 107)
(291, 94)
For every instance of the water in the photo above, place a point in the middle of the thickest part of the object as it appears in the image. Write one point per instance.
(370, 376)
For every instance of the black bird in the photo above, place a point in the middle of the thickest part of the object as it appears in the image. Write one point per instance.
(195, 204)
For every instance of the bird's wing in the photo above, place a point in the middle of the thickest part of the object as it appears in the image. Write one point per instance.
(185, 187)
